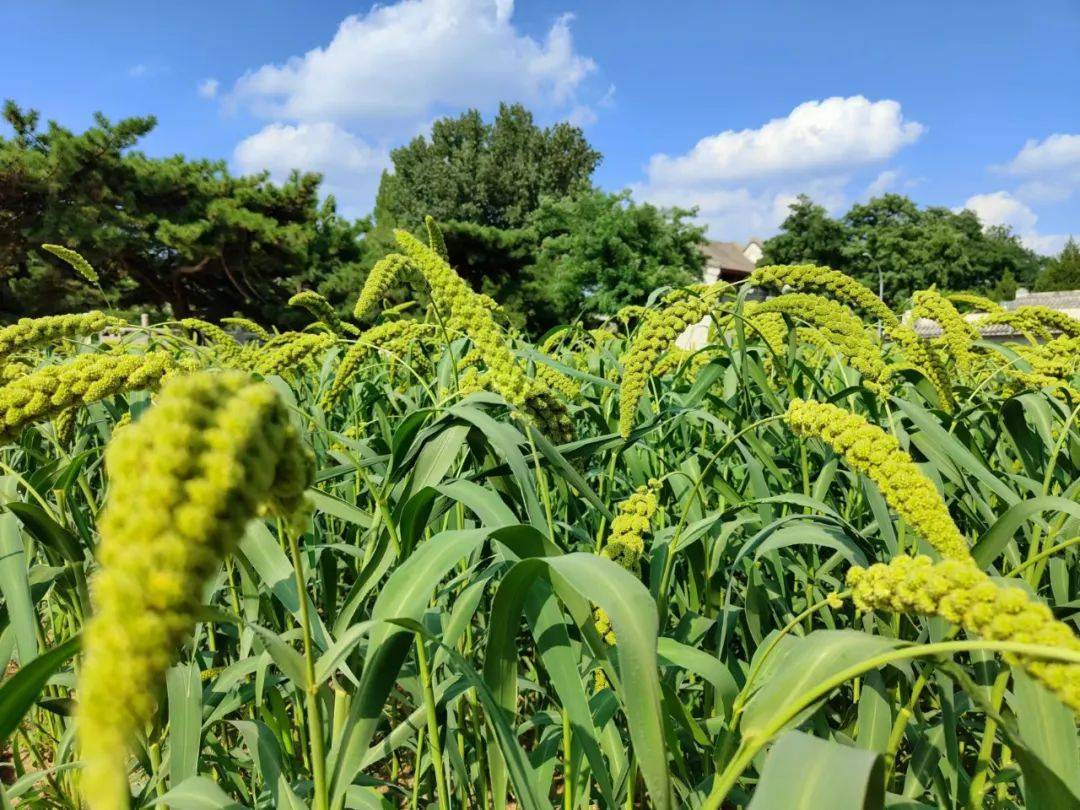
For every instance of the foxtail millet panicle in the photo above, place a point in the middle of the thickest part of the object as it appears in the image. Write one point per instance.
(214, 451)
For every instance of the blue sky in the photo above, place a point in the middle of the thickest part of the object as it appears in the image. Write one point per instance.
(731, 106)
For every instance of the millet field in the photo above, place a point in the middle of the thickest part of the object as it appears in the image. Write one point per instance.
(412, 559)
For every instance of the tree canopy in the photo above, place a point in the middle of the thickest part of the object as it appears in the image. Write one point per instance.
(523, 222)
(598, 252)
(911, 247)
(171, 233)
(493, 174)
(1062, 272)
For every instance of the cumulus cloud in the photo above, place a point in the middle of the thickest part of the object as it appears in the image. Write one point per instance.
(1050, 168)
(208, 88)
(351, 166)
(833, 134)
(882, 183)
(387, 73)
(404, 61)
(743, 180)
(1056, 153)
(1002, 208)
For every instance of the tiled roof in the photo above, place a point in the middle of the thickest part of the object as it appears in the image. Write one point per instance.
(1067, 301)
(1063, 300)
(930, 329)
(728, 256)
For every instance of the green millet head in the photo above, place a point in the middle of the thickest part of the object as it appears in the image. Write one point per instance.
(84, 379)
(827, 282)
(213, 452)
(656, 335)
(1059, 357)
(957, 591)
(625, 542)
(877, 455)
(436, 240)
(300, 349)
(28, 332)
(378, 283)
(1050, 320)
(394, 339)
(1037, 322)
(225, 348)
(248, 325)
(465, 311)
(977, 303)
(837, 329)
(920, 355)
(318, 306)
(957, 334)
(75, 260)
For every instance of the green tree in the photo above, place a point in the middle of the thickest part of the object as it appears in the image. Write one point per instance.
(1063, 272)
(493, 174)
(482, 182)
(808, 235)
(162, 232)
(598, 252)
(906, 247)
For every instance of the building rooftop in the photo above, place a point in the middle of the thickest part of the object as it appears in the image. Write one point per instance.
(1067, 301)
(729, 258)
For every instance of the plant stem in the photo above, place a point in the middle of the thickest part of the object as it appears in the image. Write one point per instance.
(314, 710)
(434, 742)
(568, 770)
(986, 747)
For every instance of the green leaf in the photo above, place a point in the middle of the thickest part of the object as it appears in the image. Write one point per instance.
(262, 550)
(340, 509)
(198, 793)
(437, 456)
(404, 596)
(184, 691)
(266, 755)
(47, 531)
(18, 693)
(1048, 728)
(673, 653)
(633, 616)
(15, 586)
(950, 453)
(997, 537)
(803, 665)
(806, 773)
(875, 714)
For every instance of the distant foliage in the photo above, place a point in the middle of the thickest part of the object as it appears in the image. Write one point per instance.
(913, 248)
(165, 235)
(467, 170)
(1062, 272)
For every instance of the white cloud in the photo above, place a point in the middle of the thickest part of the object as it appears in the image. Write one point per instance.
(1045, 244)
(138, 71)
(1002, 208)
(833, 134)
(882, 183)
(350, 165)
(1046, 191)
(404, 61)
(1054, 154)
(208, 88)
(743, 181)
(582, 116)
(1050, 168)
